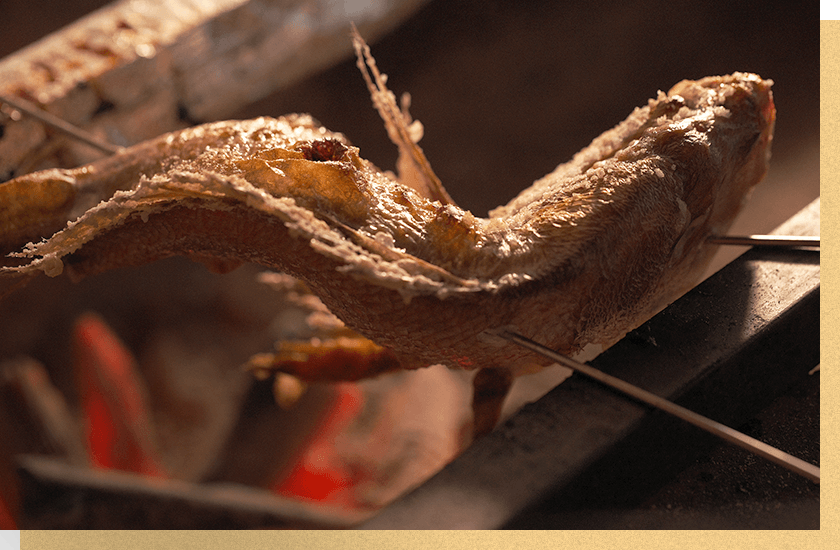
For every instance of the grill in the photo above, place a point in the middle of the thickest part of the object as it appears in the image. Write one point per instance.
(584, 457)
(740, 348)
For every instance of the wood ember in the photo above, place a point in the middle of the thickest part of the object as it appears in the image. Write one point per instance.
(35, 415)
(136, 69)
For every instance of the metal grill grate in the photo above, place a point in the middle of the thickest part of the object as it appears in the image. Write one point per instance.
(727, 350)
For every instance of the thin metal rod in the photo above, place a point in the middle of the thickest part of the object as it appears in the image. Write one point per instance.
(767, 240)
(55, 122)
(735, 437)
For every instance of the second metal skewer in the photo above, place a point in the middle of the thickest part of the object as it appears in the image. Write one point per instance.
(767, 240)
(53, 121)
(726, 433)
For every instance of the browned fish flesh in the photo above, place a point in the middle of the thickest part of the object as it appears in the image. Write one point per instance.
(584, 255)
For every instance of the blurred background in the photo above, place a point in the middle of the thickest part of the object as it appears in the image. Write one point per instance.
(508, 90)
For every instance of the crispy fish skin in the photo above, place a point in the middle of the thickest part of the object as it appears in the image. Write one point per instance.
(584, 255)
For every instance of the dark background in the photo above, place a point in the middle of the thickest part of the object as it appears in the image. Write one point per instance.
(508, 90)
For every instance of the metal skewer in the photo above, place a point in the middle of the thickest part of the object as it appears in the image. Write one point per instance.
(735, 437)
(59, 124)
(767, 240)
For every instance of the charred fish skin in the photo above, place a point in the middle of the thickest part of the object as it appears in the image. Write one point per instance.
(584, 255)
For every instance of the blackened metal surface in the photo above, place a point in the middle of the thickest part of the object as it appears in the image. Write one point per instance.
(55, 495)
(726, 350)
(726, 488)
